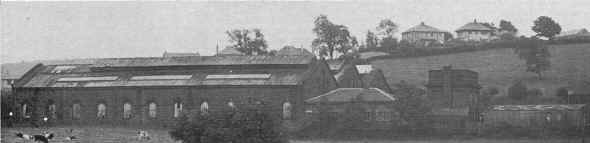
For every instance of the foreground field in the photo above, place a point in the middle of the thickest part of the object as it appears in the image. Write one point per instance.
(127, 135)
(90, 135)
(496, 67)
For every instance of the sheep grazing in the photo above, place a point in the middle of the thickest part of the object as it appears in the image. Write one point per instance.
(71, 135)
(37, 138)
(143, 135)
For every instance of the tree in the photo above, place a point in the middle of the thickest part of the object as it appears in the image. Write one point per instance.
(507, 26)
(536, 55)
(249, 42)
(411, 101)
(387, 28)
(330, 37)
(371, 40)
(388, 44)
(489, 25)
(246, 125)
(518, 91)
(546, 27)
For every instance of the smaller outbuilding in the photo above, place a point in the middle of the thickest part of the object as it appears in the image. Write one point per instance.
(537, 116)
(359, 108)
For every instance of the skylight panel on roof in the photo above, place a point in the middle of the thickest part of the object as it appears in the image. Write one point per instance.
(60, 69)
(238, 76)
(97, 78)
(162, 77)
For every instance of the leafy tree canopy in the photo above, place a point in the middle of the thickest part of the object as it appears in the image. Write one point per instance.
(546, 27)
(331, 38)
(249, 42)
(246, 125)
(507, 26)
(536, 55)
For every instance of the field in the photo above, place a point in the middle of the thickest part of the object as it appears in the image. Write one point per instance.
(127, 135)
(497, 67)
(90, 135)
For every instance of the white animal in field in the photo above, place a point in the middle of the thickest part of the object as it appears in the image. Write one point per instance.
(71, 135)
(44, 138)
(143, 135)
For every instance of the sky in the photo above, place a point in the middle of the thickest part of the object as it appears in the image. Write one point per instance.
(66, 30)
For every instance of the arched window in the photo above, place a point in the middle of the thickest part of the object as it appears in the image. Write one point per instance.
(152, 109)
(76, 111)
(52, 111)
(127, 110)
(25, 110)
(177, 109)
(204, 108)
(101, 111)
(287, 110)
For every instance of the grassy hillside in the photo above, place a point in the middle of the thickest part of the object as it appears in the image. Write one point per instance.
(497, 67)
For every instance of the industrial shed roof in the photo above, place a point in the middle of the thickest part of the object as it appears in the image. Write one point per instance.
(537, 107)
(84, 75)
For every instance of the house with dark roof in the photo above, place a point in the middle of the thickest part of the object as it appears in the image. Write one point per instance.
(475, 31)
(358, 108)
(424, 33)
(153, 91)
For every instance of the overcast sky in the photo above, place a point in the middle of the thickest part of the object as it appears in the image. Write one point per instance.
(65, 30)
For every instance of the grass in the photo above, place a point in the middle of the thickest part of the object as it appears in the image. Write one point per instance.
(127, 135)
(90, 135)
(496, 67)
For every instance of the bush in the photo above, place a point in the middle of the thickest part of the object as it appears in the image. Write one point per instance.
(248, 125)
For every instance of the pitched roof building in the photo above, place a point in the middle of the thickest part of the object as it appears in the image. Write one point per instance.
(292, 51)
(155, 90)
(347, 107)
(424, 33)
(475, 31)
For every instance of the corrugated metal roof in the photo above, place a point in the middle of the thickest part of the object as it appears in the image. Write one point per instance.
(274, 77)
(353, 94)
(423, 28)
(91, 78)
(537, 107)
(237, 76)
(161, 77)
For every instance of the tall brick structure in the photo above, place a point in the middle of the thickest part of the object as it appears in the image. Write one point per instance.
(453, 88)
(155, 91)
(453, 93)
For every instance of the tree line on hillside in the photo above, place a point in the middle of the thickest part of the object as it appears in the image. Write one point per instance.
(334, 41)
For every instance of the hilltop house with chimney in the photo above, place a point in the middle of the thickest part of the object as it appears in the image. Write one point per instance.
(426, 34)
(475, 31)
